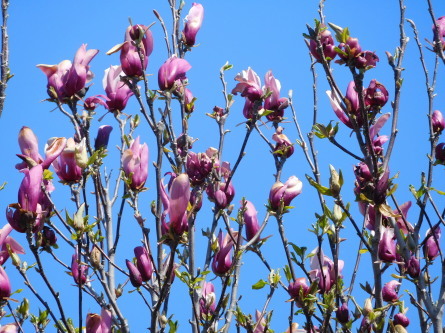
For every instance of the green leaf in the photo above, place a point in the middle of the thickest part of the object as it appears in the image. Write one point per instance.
(227, 66)
(322, 189)
(362, 251)
(259, 285)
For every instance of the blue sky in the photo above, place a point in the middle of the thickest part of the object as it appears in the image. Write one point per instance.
(258, 34)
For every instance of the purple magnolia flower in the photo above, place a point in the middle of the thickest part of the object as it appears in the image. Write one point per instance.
(284, 193)
(389, 291)
(78, 271)
(198, 167)
(250, 219)
(376, 95)
(172, 73)
(260, 323)
(342, 313)
(189, 101)
(27, 213)
(401, 319)
(298, 290)
(284, 146)
(431, 246)
(327, 43)
(193, 22)
(387, 246)
(135, 164)
(175, 205)
(5, 285)
(438, 122)
(136, 36)
(66, 166)
(366, 60)
(5, 241)
(413, 267)
(9, 328)
(222, 260)
(440, 23)
(103, 135)
(352, 106)
(49, 237)
(99, 324)
(249, 85)
(143, 263)
(323, 270)
(134, 273)
(117, 91)
(91, 103)
(66, 79)
(349, 50)
(440, 153)
(274, 102)
(221, 194)
(207, 300)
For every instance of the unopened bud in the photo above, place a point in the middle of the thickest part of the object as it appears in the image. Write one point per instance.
(78, 219)
(96, 257)
(80, 154)
(337, 214)
(163, 320)
(334, 181)
(367, 309)
(274, 277)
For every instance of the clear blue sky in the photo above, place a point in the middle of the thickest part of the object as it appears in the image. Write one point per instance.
(258, 34)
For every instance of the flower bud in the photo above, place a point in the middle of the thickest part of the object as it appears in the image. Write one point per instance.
(103, 135)
(438, 122)
(135, 164)
(193, 22)
(366, 59)
(172, 71)
(334, 182)
(387, 246)
(327, 43)
(143, 263)
(5, 285)
(131, 62)
(376, 95)
(413, 267)
(250, 219)
(78, 271)
(431, 246)
(135, 275)
(284, 193)
(401, 319)
(298, 290)
(342, 313)
(367, 308)
(389, 292)
(440, 153)
(48, 237)
(96, 258)
(118, 92)
(350, 49)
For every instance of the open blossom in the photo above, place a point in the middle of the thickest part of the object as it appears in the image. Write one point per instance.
(222, 260)
(99, 323)
(130, 59)
(432, 244)
(352, 106)
(9, 328)
(143, 263)
(7, 241)
(284, 146)
(135, 164)
(193, 22)
(323, 270)
(376, 94)
(198, 167)
(118, 92)
(175, 204)
(92, 102)
(389, 291)
(66, 79)
(284, 193)
(207, 300)
(274, 102)
(327, 43)
(172, 72)
(350, 49)
(66, 166)
(249, 85)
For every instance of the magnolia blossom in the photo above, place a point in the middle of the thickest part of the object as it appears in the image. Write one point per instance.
(143, 263)
(284, 146)
(432, 246)
(172, 73)
(274, 102)
(327, 44)
(193, 22)
(66, 166)
(7, 241)
(284, 193)
(439, 29)
(198, 167)
(137, 36)
(298, 290)
(118, 92)
(135, 164)
(350, 49)
(438, 122)
(9, 328)
(92, 102)
(175, 204)
(261, 323)
(249, 85)
(66, 79)
(134, 273)
(222, 260)
(342, 313)
(401, 319)
(323, 270)
(103, 135)
(250, 216)
(376, 94)
(352, 106)
(99, 324)
(389, 291)
(78, 270)
(207, 300)
(387, 246)
(5, 285)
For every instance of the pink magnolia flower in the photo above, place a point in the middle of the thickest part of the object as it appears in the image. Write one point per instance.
(222, 260)
(249, 85)
(118, 93)
(387, 246)
(78, 270)
(103, 135)
(401, 319)
(198, 167)
(284, 193)
(175, 204)
(376, 94)
(5, 241)
(274, 102)
(250, 219)
(350, 49)
(413, 267)
(352, 106)
(221, 194)
(327, 43)
(66, 166)
(284, 146)
(130, 60)
(389, 291)
(440, 22)
(193, 22)
(207, 300)
(134, 273)
(135, 164)
(438, 122)
(298, 290)
(91, 103)
(260, 325)
(66, 79)
(172, 73)
(323, 270)
(431, 246)
(9, 328)
(5, 285)
(99, 324)
(143, 263)
(366, 60)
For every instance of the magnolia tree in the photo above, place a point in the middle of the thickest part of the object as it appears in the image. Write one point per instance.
(194, 237)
